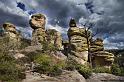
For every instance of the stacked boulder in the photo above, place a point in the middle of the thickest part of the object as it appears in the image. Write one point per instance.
(11, 35)
(55, 38)
(97, 45)
(78, 43)
(37, 23)
(100, 57)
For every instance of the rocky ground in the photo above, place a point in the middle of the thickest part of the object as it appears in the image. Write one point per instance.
(66, 76)
(72, 76)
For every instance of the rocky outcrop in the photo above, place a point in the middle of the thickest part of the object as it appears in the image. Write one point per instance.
(11, 35)
(97, 45)
(78, 43)
(37, 23)
(55, 38)
(41, 35)
(100, 57)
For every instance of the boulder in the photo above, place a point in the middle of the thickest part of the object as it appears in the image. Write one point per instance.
(37, 21)
(97, 45)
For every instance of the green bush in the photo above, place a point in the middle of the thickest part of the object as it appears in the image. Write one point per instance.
(122, 71)
(10, 72)
(55, 70)
(115, 69)
(101, 70)
(70, 64)
(85, 71)
(48, 66)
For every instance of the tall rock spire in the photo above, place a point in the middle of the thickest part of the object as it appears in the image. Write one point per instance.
(37, 23)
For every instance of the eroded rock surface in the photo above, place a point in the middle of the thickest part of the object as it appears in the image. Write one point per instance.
(67, 76)
(101, 57)
(100, 77)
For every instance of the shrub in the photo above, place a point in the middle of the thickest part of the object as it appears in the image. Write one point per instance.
(10, 72)
(85, 71)
(115, 69)
(48, 66)
(55, 70)
(70, 64)
(101, 70)
(122, 71)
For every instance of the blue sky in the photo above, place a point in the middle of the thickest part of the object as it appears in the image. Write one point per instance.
(107, 15)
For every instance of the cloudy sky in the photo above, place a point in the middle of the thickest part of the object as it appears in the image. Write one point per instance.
(106, 15)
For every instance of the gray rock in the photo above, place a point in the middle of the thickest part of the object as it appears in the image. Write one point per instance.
(105, 77)
(66, 76)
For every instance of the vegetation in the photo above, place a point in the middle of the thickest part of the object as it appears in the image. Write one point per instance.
(116, 70)
(10, 70)
(47, 65)
(85, 71)
(101, 70)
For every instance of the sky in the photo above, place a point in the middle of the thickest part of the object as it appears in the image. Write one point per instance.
(107, 16)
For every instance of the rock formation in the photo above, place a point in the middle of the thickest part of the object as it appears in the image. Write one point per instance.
(77, 43)
(97, 45)
(37, 23)
(55, 38)
(11, 34)
(100, 57)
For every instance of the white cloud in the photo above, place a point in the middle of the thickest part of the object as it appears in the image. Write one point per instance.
(58, 28)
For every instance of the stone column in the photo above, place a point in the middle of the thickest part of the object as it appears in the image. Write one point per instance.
(77, 43)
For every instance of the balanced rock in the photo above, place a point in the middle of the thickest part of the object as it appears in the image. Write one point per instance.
(78, 42)
(55, 38)
(37, 23)
(97, 45)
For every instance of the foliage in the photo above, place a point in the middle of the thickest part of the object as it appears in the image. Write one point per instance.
(115, 69)
(46, 65)
(25, 43)
(122, 71)
(70, 64)
(85, 71)
(49, 47)
(10, 70)
(101, 70)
